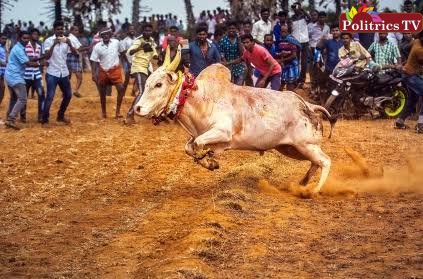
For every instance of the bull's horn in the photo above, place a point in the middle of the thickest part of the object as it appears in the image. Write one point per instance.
(167, 57)
(175, 63)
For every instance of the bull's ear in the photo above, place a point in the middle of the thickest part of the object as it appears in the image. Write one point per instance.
(172, 77)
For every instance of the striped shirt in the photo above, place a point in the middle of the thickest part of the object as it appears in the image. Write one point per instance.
(2, 59)
(32, 73)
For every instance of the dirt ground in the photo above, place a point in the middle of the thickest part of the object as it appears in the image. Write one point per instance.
(101, 200)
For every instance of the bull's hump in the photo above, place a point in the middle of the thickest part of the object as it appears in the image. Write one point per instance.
(215, 73)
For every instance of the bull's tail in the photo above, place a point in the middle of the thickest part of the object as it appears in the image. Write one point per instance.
(315, 108)
(332, 120)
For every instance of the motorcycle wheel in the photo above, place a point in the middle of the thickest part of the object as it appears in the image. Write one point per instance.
(396, 106)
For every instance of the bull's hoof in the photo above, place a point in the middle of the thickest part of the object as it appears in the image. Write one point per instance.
(213, 164)
(208, 163)
(201, 154)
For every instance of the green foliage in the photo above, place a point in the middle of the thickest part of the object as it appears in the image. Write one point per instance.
(5, 5)
(388, 10)
(331, 17)
(79, 10)
(88, 6)
(376, 4)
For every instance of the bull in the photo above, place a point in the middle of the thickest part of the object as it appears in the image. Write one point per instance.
(219, 116)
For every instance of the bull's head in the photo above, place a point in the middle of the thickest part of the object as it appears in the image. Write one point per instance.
(159, 87)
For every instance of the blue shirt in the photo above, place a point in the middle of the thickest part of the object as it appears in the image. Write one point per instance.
(277, 32)
(217, 47)
(199, 61)
(15, 69)
(2, 59)
(272, 50)
(332, 46)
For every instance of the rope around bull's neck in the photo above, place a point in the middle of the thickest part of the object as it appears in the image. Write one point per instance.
(174, 93)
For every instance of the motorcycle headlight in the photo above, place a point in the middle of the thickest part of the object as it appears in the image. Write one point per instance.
(335, 93)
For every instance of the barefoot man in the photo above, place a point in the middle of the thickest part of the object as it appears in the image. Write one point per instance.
(107, 69)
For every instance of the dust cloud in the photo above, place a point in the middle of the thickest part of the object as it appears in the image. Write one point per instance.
(360, 177)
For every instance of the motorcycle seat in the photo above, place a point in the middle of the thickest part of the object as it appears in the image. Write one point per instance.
(396, 80)
(383, 79)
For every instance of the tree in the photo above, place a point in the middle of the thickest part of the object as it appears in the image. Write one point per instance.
(311, 4)
(419, 6)
(190, 17)
(338, 7)
(284, 5)
(137, 9)
(57, 10)
(250, 9)
(238, 10)
(5, 5)
(388, 10)
(136, 12)
(54, 9)
(91, 9)
(339, 4)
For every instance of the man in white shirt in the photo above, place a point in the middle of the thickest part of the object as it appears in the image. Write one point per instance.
(211, 25)
(262, 27)
(56, 50)
(298, 24)
(107, 69)
(317, 31)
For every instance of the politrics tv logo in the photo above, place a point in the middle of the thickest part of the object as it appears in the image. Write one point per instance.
(366, 20)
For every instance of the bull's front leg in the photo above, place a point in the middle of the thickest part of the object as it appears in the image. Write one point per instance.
(203, 158)
(202, 146)
(189, 147)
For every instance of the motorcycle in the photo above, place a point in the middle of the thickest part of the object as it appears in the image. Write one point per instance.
(368, 92)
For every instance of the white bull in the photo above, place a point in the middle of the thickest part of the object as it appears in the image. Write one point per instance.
(219, 115)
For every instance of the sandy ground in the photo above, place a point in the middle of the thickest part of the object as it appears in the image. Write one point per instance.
(99, 199)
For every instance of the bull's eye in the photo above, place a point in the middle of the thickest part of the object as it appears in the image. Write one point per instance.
(158, 85)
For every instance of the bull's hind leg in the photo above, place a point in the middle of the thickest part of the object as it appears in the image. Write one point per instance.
(311, 171)
(292, 152)
(318, 158)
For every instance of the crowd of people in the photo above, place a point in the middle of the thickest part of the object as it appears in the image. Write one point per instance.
(276, 50)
